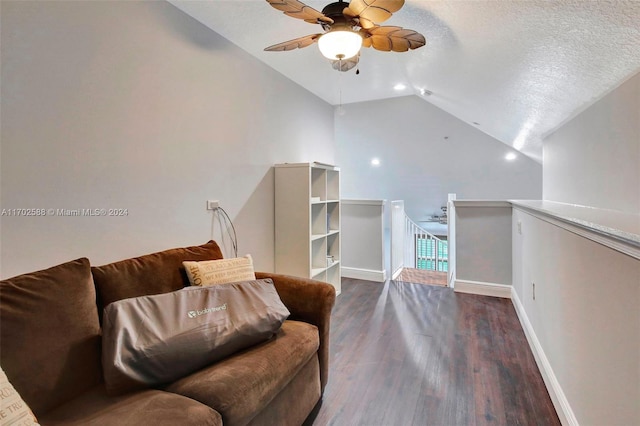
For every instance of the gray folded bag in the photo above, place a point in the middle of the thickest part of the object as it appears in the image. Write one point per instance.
(154, 340)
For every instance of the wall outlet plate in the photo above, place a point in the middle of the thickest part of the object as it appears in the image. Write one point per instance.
(533, 290)
(213, 204)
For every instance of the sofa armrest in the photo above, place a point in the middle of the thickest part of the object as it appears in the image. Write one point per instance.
(310, 301)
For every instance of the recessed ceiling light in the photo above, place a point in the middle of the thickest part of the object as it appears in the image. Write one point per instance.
(399, 87)
(511, 156)
(375, 161)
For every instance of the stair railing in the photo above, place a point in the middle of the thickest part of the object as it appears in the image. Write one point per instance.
(423, 250)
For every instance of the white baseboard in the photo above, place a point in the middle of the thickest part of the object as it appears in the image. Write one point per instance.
(482, 288)
(560, 402)
(364, 274)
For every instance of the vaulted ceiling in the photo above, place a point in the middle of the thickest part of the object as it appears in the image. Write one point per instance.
(516, 70)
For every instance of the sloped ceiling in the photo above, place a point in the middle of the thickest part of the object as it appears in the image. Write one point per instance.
(517, 70)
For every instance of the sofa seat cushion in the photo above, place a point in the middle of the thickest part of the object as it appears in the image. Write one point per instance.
(150, 407)
(241, 386)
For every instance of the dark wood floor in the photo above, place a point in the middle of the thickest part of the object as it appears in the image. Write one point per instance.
(414, 354)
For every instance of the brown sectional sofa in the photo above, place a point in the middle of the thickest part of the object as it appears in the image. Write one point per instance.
(50, 349)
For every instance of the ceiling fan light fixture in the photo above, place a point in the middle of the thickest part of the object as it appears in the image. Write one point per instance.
(340, 44)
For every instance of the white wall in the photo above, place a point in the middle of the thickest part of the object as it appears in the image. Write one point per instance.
(483, 243)
(425, 154)
(594, 160)
(362, 239)
(585, 316)
(136, 105)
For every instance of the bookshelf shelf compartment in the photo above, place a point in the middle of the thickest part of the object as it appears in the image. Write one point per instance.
(308, 221)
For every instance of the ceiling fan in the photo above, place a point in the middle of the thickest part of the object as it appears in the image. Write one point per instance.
(348, 27)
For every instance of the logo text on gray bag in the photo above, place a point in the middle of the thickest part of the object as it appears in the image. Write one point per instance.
(193, 314)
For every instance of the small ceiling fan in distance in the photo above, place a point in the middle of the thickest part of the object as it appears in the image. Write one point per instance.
(348, 27)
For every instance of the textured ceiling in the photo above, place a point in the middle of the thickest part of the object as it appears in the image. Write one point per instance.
(516, 70)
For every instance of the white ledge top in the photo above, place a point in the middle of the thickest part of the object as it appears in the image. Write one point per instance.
(363, 202)
(481, 203)
(611, 223)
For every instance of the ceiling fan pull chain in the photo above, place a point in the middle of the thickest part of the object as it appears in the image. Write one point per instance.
(340, 80)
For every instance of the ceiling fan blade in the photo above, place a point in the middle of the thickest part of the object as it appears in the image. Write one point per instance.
(398, 39)
(297, 43)
(345, 64)
(366, 37)
(371, 12)
(299, 10)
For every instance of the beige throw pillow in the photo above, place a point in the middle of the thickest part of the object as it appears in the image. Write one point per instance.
(210, 272)
(13, 409)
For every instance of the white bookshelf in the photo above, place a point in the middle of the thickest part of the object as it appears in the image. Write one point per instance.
(308, 221)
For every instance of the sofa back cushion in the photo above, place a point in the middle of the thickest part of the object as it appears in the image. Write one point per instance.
(50, 335)
(154, 273)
